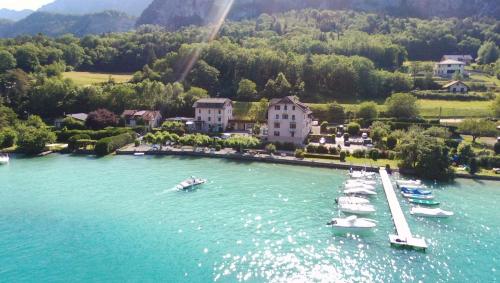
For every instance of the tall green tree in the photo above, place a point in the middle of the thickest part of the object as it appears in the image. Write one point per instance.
(488, 53)
(402, 105)
(247, 90)
(477, 128)
(7, 61)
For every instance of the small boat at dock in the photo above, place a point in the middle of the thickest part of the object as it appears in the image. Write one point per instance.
(415, 191)
(352, 200)
(139, 154)
(190, 183)
(430, 212)
(352, 224)
(361, 209)
(359, 186)
(413, 196)
(427, 202)
(361, 181)
(361, 174)
(359, 191)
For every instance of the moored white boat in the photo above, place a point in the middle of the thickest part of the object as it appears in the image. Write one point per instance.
(190, 183)
(361, 174)
(414, 196)
(352, 200)
(4, 159)
(360, 191)
(359, 186)
(352, 224)
(430, 212)
(139, 154)
(415, 191)
(361, 209)
(361, 181)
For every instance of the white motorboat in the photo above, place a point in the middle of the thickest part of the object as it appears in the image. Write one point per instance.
(361, 209)
(190, 183)
(413, 187)
(352, 200)
(361, 181)
(361, 174)
(430, 212)
(414, 196)
(352, 224)
(4, 159)
(360, 191)
(139, 154)
(406, 183)
(359, 186)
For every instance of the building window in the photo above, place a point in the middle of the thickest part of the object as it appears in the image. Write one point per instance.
(276, 133)
(293, 117)
(285, 116)
(277, 116)
(219, 119)
(219, 112)
(286, 107)
(199, 118)
(209, 119)
(277, 107)
(293, 126)
(293, 108)
(292, 134)
(277, 125)
(199, 111)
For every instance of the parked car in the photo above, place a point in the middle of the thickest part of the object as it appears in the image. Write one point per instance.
(347, 143)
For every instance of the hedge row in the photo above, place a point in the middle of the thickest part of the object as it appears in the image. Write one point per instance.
(450, 96)
(489, 161)
(322, 156)
(64, 136)
(108, 145)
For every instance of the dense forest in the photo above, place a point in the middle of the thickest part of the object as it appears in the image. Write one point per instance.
(319, 56)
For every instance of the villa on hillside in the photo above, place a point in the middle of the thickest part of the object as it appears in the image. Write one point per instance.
(133, 118)
(456, 87)
(467, 59)
(82, 117)
(289, 120)
(213, 114)
(448, 68)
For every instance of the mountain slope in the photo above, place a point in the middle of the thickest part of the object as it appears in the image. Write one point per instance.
(77, 7)
(176, 13)
(14, 15)
(57, 24)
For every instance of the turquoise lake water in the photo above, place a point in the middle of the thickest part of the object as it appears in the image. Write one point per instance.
(117, 219)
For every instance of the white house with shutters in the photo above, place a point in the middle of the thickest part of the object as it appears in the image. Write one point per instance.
(289, 120)
(212, 114)
(448, 68)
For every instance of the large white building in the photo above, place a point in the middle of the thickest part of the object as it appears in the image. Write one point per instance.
(289, 120)
(448, 68)
(213, 114)
(467, 59)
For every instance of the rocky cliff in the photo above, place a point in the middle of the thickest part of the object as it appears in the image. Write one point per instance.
(177, 13)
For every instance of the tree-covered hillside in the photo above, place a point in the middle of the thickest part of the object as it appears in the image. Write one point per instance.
(320, 56)
(77, 7)
(58, 24)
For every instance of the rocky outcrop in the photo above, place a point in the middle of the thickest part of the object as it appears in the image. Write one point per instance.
(177, 13)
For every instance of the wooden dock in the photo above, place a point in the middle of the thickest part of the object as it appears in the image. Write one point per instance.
(403, 238)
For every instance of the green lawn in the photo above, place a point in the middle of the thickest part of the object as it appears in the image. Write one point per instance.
(87, 78)
(428, 108)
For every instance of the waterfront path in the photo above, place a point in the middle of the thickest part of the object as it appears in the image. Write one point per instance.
(404, 237)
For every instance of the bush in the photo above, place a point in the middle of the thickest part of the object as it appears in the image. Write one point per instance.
(353, 129)
(312, 148)
(101, 119)
(324, 127)
(72, 142)
(367, 110)
(473, 166)
(322, 156)
(175, 127)
(242, 142)
(271, 148)
(343, 155)
(299, 153)
(334, 150)
(392, 142)
(73, 124)
(137, 143)
(497, 148)
(218, 147)
(288, 146)
(391, 155)
(374, 154)
(359, 153)
(108, 145)
(489, 161)
(451, 143)
(64, 135)
(322, 149)
(333, 138)
(8, 137)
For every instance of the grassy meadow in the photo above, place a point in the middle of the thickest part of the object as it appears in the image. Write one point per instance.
(88, 78)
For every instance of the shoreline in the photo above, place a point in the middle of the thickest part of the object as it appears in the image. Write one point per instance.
(128, 150)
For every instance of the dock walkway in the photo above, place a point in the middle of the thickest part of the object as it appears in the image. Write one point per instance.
(404, 238)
